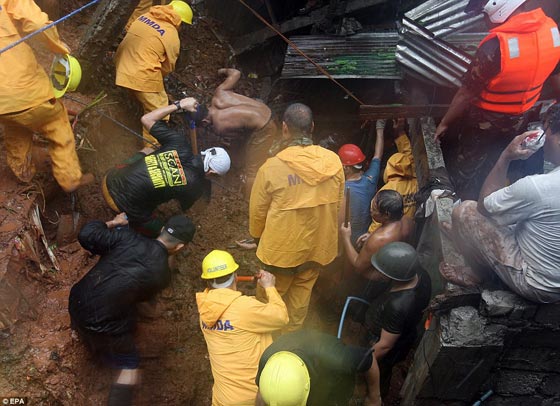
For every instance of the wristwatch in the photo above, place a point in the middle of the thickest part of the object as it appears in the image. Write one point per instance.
(177, 104)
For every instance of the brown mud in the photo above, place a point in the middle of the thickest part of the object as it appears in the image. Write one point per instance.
(40, 357)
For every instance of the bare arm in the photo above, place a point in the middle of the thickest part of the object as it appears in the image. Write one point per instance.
(149, 119)
(497, 178)
(362, 261)
(232, 77)
(385, 344)
(379, 144)
(459, 104)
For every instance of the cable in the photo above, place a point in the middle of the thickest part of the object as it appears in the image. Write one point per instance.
(46, 27)
(294, 46)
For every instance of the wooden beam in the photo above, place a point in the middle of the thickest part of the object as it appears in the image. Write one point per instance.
(384, 111)
(248, 41)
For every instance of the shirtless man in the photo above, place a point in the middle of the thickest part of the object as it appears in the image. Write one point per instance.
(231, 114)
(387, 209)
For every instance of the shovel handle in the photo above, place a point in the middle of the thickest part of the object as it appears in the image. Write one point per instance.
(347, 208)
(244, 278)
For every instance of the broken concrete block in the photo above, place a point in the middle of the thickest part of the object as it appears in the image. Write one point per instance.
(551, 385)
(464, 327)
(500, 303)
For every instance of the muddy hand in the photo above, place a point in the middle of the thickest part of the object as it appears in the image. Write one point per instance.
(266, 279)
(346, 231)
(440, 132)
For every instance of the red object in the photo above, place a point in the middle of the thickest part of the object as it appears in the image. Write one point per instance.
(530, 50)
(351, 154)
(246, 278)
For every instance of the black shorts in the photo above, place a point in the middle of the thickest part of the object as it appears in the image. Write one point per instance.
(118, 351)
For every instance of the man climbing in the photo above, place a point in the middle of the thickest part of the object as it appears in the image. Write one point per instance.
(231, 114)
(400, 174)
(501, 86)
(362, 185)
(309, 368)
(293, 211)
(27, 101)
(387, 210)
(514, 230)
(170, 172)
(102, 305)
(237, 328)
(393, 317)
(149, 52)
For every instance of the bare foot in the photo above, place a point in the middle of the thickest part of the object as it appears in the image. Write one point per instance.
(459, 274)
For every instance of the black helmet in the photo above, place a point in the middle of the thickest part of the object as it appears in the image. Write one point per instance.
(396, 260)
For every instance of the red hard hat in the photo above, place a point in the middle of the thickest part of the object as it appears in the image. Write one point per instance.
(351, 154)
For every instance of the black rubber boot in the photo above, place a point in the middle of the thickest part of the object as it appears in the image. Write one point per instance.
(120, 395)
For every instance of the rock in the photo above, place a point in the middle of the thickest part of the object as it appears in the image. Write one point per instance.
(499, 303)
(464, 327)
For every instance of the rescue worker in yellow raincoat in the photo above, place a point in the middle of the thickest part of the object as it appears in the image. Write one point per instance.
(27, 101)
(400, 174)
(149, 52)
(293, 212)
(237, 328)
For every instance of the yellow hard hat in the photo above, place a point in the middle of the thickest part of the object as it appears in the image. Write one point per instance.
(66, 74)
(217, 264)
(183, 10)
(285, 380)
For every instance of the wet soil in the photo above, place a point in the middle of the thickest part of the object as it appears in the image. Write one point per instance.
(41, 357)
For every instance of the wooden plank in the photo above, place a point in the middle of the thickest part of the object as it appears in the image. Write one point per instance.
(248, 41)
(384, 111)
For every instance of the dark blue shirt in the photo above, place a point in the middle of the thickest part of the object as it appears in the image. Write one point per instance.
(361, 193)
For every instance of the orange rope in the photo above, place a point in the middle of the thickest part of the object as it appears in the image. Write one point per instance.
(294, 46)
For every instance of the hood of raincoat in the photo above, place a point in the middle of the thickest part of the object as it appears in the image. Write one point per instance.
(311, 163)
(212, 303)
(399, 165)
(165, 14)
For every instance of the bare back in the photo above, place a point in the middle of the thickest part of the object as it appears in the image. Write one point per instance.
(401, 230)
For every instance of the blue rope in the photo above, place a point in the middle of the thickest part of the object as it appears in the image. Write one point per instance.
(343, 315)
(46, 27)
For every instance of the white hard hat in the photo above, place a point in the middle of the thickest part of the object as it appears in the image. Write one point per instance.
(497, 10)
(216, 159)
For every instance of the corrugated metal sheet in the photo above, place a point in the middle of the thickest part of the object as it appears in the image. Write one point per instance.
(368, 55)
(372, 55)
(444, 17)
(442, 62)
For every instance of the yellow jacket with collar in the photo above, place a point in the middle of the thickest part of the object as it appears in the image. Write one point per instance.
(237, 331)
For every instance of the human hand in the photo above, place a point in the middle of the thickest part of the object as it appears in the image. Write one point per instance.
(380, 125)
(399, 125)
(440, 132)
(346, 230)
(265, 279)
(189, 104)
(361, 240)
(120, 219)
(515, 150)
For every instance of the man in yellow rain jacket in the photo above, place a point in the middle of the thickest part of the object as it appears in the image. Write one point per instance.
(400, 174)
(148, 53)
(236, 328)
(293, 212)
(27, 102)
(142, 8)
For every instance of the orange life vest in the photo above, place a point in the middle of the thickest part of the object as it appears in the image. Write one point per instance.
(530, 50)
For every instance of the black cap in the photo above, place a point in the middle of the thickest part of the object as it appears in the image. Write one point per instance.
(180, 227)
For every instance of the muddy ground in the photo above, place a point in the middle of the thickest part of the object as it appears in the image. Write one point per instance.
(41, 358)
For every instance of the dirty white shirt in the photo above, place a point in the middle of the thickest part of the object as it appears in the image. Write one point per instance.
(532, 206)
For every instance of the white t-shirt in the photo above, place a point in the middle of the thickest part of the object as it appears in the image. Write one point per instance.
(532, 206)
